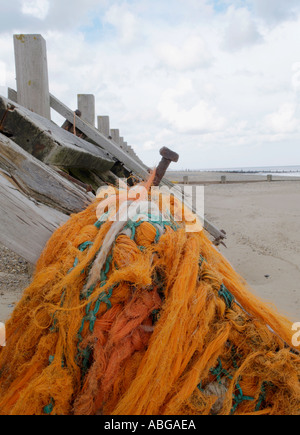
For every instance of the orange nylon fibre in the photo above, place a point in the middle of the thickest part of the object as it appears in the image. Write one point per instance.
(170, 328)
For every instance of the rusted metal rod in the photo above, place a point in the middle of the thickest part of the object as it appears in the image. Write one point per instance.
(168, 156)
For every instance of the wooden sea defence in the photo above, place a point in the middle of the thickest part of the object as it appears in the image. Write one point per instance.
(47, 171)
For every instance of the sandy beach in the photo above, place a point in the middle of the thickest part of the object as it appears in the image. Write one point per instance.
(263, 238)
(15, 275)
(263, 242)
(214, 177)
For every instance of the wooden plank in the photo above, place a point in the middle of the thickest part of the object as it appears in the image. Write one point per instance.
(32, 73)
(125, 147)
(12, 95)
(48, 142)
(25, 225)
(104, 125)
(97, 137)
(86, 105)
(137, 168)
(39, 181)
(131, 151)
(104, 130)
(121, 142)
(115, 134)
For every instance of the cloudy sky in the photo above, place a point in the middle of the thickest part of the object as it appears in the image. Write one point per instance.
(216, 80)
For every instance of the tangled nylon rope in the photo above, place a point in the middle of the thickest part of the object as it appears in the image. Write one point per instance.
(142, 317)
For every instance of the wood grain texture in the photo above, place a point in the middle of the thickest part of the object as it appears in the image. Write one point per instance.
(26, 225)
(39, 181)
(48, 142)
(130, 161)
(86, 105)
(32, 73)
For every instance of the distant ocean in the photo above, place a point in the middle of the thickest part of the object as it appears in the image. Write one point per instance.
(289, 171)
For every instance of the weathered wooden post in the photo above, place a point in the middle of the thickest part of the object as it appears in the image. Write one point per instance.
(122, 143)
(270, 177)
(86, 105)
(126, 147)
(115, 134)
(32, 73)
(12, 95)
(103, 125)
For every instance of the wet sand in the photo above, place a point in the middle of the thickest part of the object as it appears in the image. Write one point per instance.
(262, 222)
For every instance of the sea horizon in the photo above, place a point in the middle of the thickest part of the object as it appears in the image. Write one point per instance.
(283, 170)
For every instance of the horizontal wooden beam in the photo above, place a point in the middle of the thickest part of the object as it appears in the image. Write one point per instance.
(122, 156)
(40, 181)
(49, 142)
(98, 138)
(114, 150)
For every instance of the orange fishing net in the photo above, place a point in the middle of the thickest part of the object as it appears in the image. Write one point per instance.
(168, 327)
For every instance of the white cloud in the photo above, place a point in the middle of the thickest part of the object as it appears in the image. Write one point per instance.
(37, 8)
(296, 76)
(3, 77)
(40, 16)
(241, 30)
(162, 75)
(199, 118)
(284, 120)
(190, 55)
(149, 145)
(3, 74)
(276, 11)
(124, 21)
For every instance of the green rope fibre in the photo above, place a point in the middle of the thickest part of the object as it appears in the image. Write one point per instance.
(227, 296)
(219, 372)
(239, 397)
(85, 354)
(263, 394)
(201, 261)
(91, 315)
(155, 316)
(133, 225)
(49, 408)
